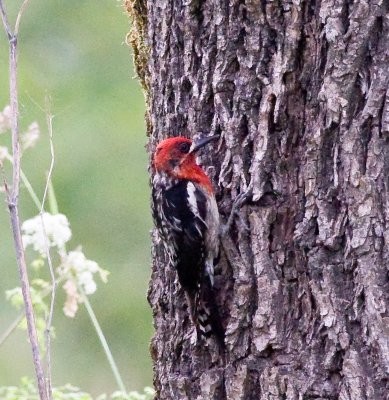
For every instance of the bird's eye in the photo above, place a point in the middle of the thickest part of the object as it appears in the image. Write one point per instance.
(184, 147)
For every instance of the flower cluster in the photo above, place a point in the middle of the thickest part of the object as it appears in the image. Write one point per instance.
(75, 269)
(4, 153)
(78, 272)
(28, 138)
(31, 136)
(55, 229)
(5, 119)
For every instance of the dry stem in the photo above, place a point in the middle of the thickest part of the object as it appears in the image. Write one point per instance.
(49, 320)
(13, 199)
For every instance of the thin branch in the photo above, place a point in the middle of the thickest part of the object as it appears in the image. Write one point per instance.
(13, 203)
(19, 17)
(6, 24)
(32, 333)
(15, 323)
(13, 62)
(49, 121)
(49, 320)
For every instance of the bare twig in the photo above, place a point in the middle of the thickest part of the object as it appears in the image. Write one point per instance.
(49, 121)
(32, 333)
(6, 24)
(49, 320)
(11, 328)
(13, 200)
(19, 17)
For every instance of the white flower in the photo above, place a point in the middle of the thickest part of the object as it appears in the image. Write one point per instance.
(30, 137)
(76, 268)
(85, 279)
(56, 228)
(3, 153)
(5, 119)
(72, 298)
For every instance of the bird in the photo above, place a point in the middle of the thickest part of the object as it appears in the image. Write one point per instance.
(186, 216)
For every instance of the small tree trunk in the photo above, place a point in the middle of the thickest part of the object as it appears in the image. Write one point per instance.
(299, 92)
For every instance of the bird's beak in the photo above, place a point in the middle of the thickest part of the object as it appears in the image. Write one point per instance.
(202, 142)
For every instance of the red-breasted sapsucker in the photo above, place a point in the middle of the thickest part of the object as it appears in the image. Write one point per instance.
(187, 219)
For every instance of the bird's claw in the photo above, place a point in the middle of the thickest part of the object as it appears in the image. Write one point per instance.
(238, 203)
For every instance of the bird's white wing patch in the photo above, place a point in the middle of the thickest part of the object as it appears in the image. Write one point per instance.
(194, 207)
(192, 199)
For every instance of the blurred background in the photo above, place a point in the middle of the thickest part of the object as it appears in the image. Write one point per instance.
(74, 50)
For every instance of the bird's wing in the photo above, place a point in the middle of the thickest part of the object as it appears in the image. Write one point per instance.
(184, 208)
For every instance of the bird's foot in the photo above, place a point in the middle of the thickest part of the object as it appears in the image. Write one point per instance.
(238, 203)
(268, 198)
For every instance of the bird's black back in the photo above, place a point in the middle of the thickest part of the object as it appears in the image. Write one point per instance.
(183, 230)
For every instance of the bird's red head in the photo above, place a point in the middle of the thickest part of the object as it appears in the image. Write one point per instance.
(177, 158)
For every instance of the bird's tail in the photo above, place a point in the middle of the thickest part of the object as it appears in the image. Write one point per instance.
(205, 314)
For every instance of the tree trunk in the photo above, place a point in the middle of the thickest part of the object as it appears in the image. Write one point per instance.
(299, 92)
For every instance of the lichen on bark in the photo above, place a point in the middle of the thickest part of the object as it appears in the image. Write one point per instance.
(137, 38)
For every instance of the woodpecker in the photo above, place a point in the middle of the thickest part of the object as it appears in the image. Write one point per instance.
(187, 220)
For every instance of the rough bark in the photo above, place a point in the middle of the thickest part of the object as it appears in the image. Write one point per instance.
(299, 92)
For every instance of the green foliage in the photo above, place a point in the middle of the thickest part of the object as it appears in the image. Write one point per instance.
(38, 292)
(27, 391)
